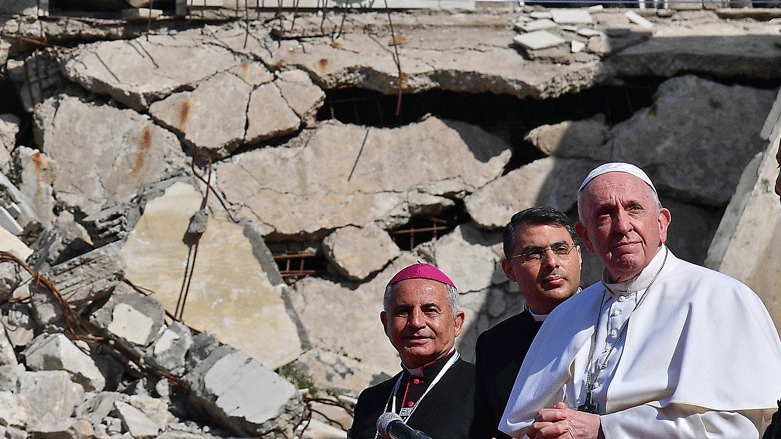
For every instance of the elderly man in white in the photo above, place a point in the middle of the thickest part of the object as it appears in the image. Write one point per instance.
(660, 348)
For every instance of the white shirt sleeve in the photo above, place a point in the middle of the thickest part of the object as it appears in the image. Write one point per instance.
(682, 421)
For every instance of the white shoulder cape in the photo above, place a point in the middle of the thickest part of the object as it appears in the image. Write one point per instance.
(699, 338)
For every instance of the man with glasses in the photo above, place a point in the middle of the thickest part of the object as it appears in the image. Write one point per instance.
(542, 257)
(660, 348)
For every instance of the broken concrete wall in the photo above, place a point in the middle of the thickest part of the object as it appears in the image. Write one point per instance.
(163, 167)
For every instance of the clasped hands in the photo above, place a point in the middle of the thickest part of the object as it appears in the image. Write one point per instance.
(562, 422)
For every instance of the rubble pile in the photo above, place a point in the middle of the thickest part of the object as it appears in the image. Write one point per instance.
(85, 354)
(167, 168)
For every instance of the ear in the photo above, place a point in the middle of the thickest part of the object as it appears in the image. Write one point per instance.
(459, 321)
(384, 320)
(580, 229)
(664, 222)
(507, 267)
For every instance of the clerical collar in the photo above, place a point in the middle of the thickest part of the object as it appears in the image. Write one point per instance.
(540, 317)
(639, 282)
(536, 317)
(432, 368)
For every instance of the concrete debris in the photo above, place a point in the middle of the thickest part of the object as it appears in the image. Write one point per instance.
(57, 352)
(359, 252)
(114, 67)
(540, 39)
(685, 153)
(346, 178)
(186, 114)
(636, 18)
(573, 139)
(549, 181)
(269, 115)
(158, 249)
(80, 281)
(571, 16)
(542, 24)
(135, 422)
(229, 384)
(170, 328)
(127, 149)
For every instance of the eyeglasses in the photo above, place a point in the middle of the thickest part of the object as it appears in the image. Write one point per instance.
(534, 255)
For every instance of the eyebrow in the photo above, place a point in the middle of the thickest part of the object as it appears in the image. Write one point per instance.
(535, 247)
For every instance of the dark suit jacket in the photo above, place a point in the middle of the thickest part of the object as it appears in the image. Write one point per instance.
(445, 413)
(499, 353)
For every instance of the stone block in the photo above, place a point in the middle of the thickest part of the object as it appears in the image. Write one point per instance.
(467, 257)
(269, 115)
(15, 410)
(80, 281)
(696, 138)
(359, 252)
(245, 311)
(140, 71)
(188, 113)
(549, 181)
(573, 139)
(19, 324)
(228, 384)
(126, 150)
(571, 16)
(638, 19)
(50, 393)
(9, 223)
(19, 205)
(7, 353)
(65, 239)
(12, 244)
(304, 96)
(141, 13)
(330, 197)
(537, 40)
(170, 348)
(9, 128)
(130, 317)
(135, 422)
(588, 32)
(99, 406)
(538, 25)
(57, 352)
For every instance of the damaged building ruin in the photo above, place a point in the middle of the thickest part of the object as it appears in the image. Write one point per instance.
(200, 211)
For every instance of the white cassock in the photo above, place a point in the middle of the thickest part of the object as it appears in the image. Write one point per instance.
(700, 357)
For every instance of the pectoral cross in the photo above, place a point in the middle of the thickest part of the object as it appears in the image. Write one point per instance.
(588, 406)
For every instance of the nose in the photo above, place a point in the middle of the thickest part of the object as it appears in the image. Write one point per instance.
(415, 319)
(622, 224)
(550, 259)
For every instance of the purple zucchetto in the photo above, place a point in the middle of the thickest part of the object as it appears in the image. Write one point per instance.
(421, 271)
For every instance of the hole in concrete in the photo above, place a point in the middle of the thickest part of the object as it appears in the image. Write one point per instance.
(12, 104)
(424, 228)
(298, 259)
(505, 116)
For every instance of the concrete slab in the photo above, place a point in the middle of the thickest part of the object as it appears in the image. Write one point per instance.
(538, 25)
(571, 16)
(540, 39)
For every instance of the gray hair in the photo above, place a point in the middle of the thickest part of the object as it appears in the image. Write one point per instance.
(452, 298)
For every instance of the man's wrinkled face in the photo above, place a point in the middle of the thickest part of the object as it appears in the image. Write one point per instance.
(419, 322)
(548, 281)
(621, 223)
